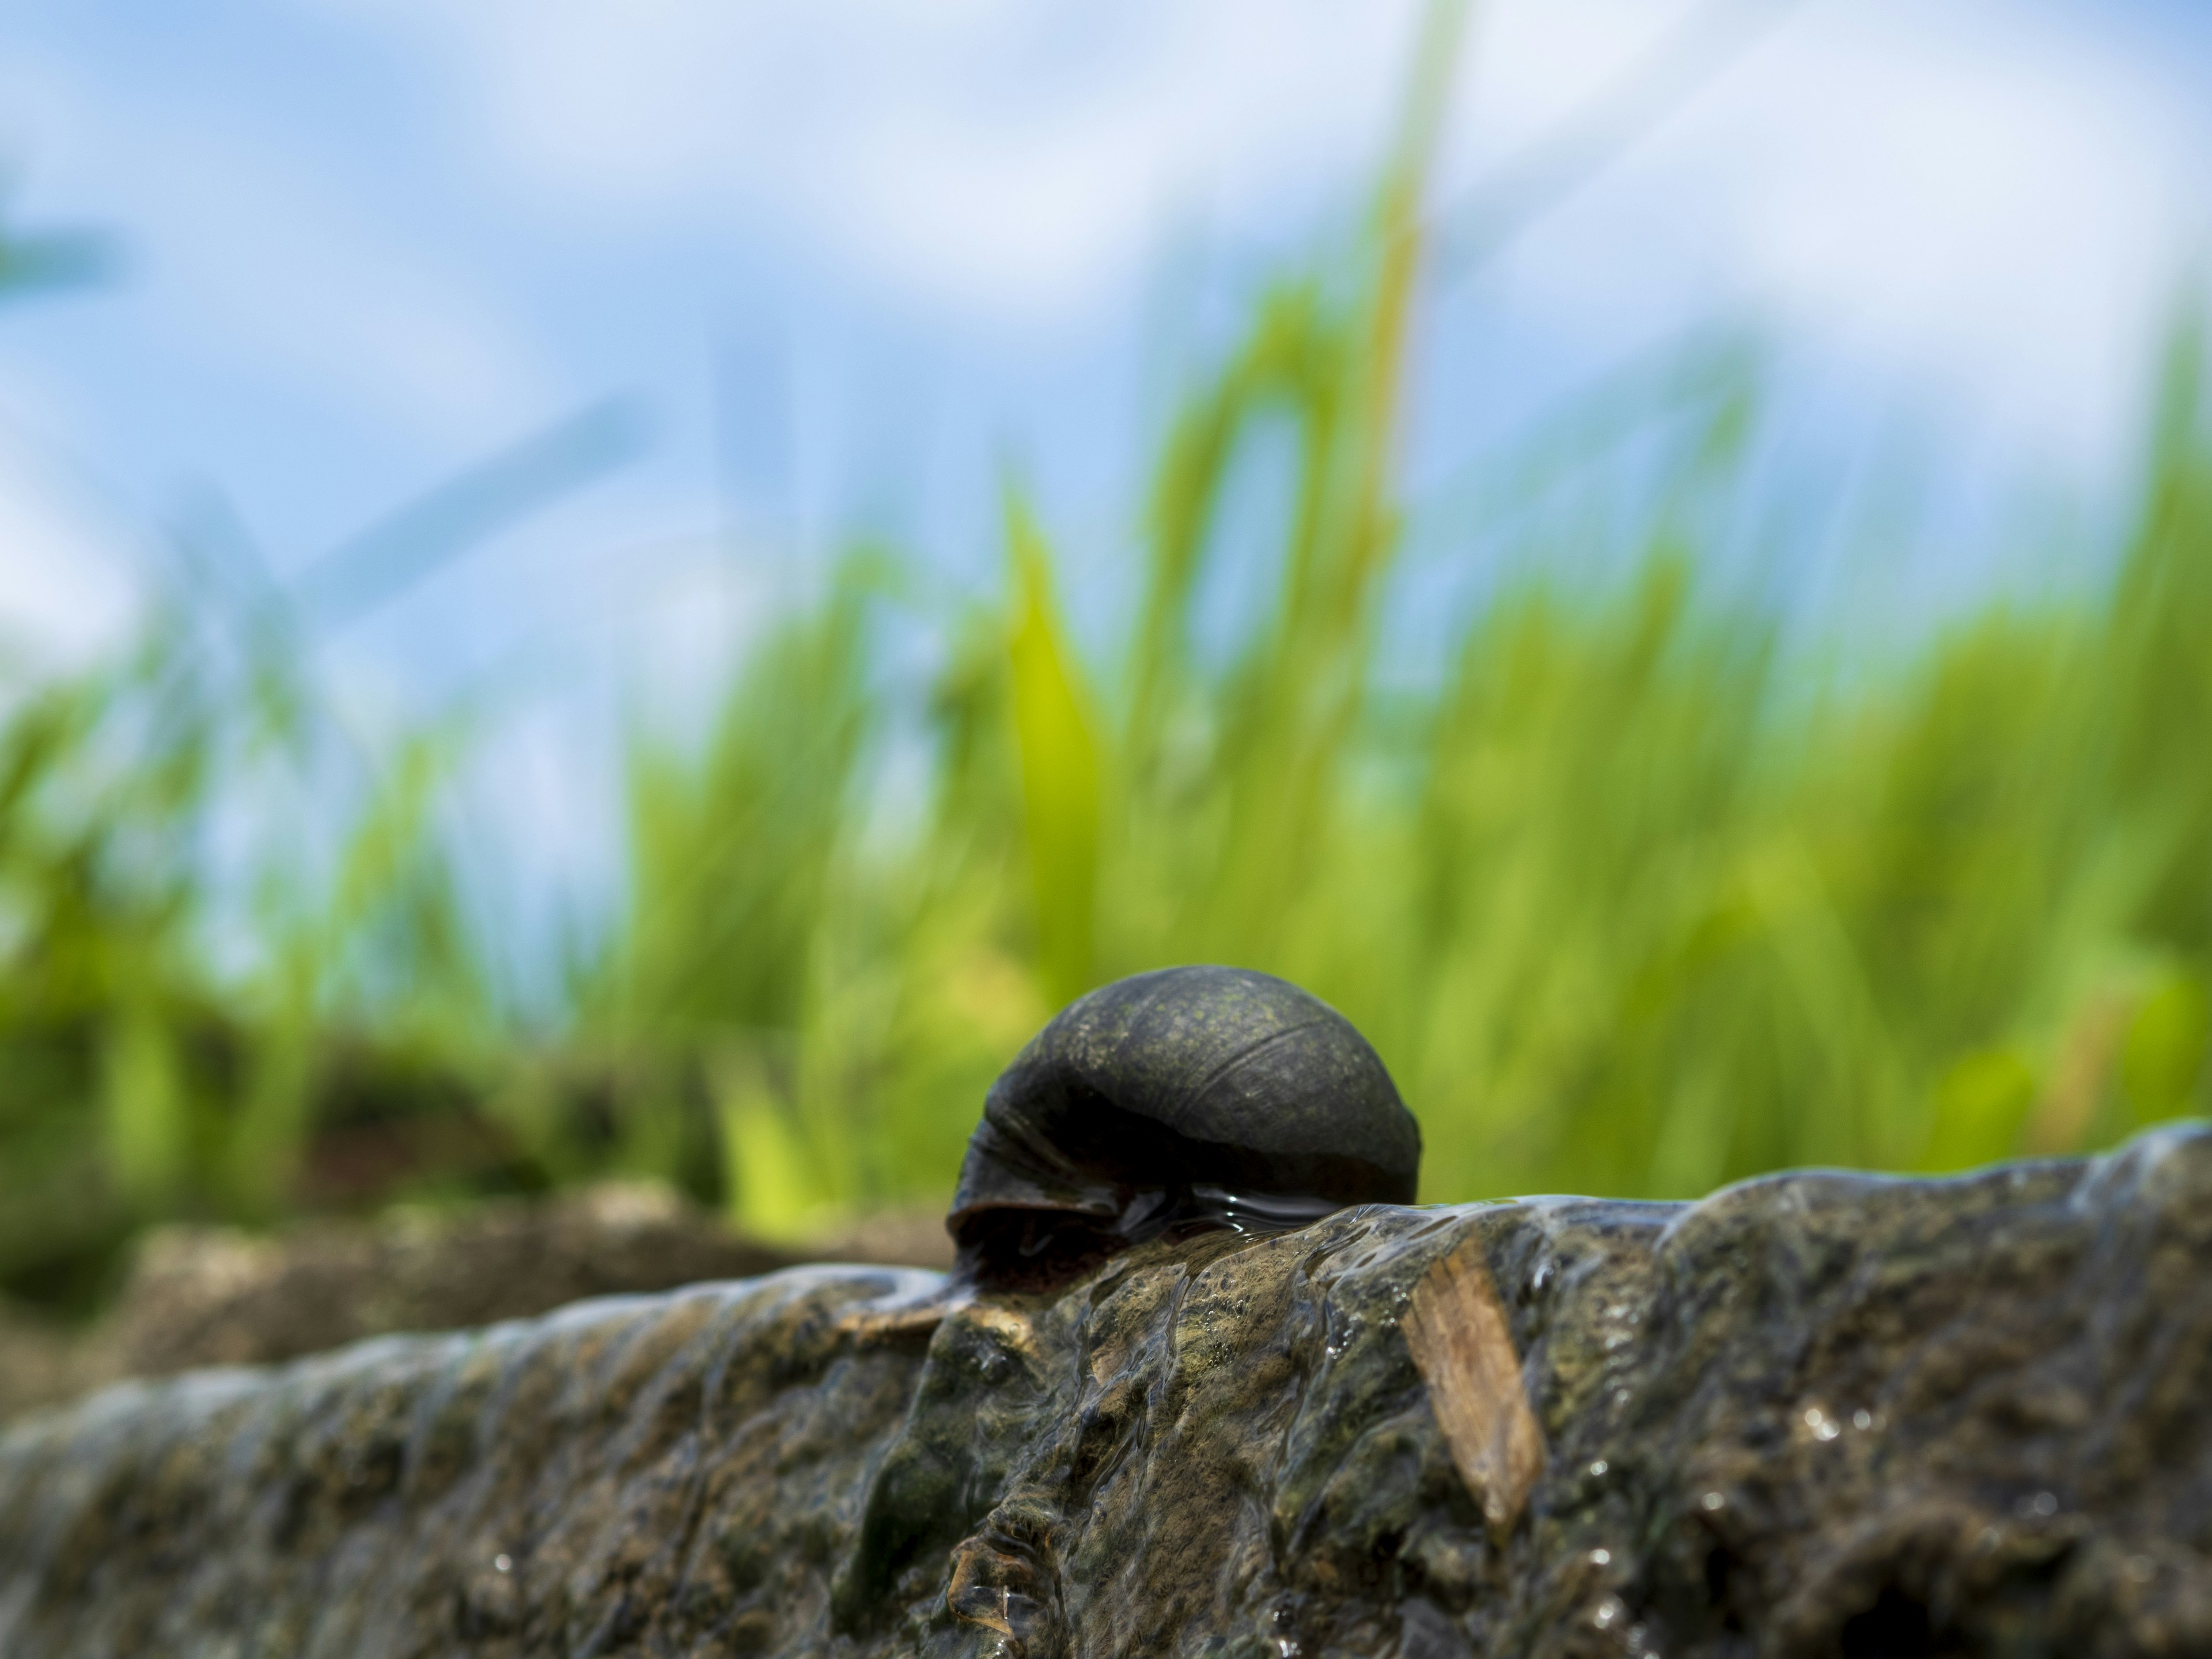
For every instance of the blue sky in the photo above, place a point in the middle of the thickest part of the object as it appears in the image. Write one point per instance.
(844, 260)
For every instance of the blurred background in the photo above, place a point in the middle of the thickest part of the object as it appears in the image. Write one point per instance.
(644, 591)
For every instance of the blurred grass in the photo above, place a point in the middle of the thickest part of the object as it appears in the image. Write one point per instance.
(1633, 898)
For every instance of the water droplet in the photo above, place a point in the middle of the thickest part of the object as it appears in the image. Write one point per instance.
(1861, 1418)
(1607, 1610)
(1714, 1501)
(1597, 1469)
(502, 1564)
(1600, 1558)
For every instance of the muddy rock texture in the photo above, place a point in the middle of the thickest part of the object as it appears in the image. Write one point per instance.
(1816, 1414)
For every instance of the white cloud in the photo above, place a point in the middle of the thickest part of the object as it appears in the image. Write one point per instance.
(1987, 208)
(66, 587)
(988, 157)
(282, 269)
(250, 254)
(1979, 195)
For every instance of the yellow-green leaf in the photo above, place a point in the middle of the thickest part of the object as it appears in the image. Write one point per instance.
(1060, 768)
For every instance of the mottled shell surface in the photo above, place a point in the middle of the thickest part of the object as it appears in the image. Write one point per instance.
(1185, 1093)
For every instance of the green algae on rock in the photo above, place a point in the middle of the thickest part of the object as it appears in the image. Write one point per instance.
(1817, 1414)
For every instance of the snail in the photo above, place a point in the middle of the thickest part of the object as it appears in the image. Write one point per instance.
(1188, 1098)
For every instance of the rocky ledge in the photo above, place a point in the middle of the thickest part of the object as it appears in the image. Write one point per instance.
(1814, 1414)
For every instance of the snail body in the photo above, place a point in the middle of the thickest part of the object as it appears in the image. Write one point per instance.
(1199, 1097)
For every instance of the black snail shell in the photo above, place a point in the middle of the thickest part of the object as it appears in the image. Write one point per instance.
(1204, 1096)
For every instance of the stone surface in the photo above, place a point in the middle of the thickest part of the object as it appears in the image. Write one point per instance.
(1813, 1415)
(217, 1296)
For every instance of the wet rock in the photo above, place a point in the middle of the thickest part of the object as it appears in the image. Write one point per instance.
(1813, 1415)
(42, 1360)
(217, 1296)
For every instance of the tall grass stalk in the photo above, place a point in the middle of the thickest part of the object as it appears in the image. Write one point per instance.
(1628, 903)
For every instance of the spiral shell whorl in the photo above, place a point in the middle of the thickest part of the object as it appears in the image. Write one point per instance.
(1159, 1096)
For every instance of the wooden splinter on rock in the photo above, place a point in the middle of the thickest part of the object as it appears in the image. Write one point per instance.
(1463, 1348)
